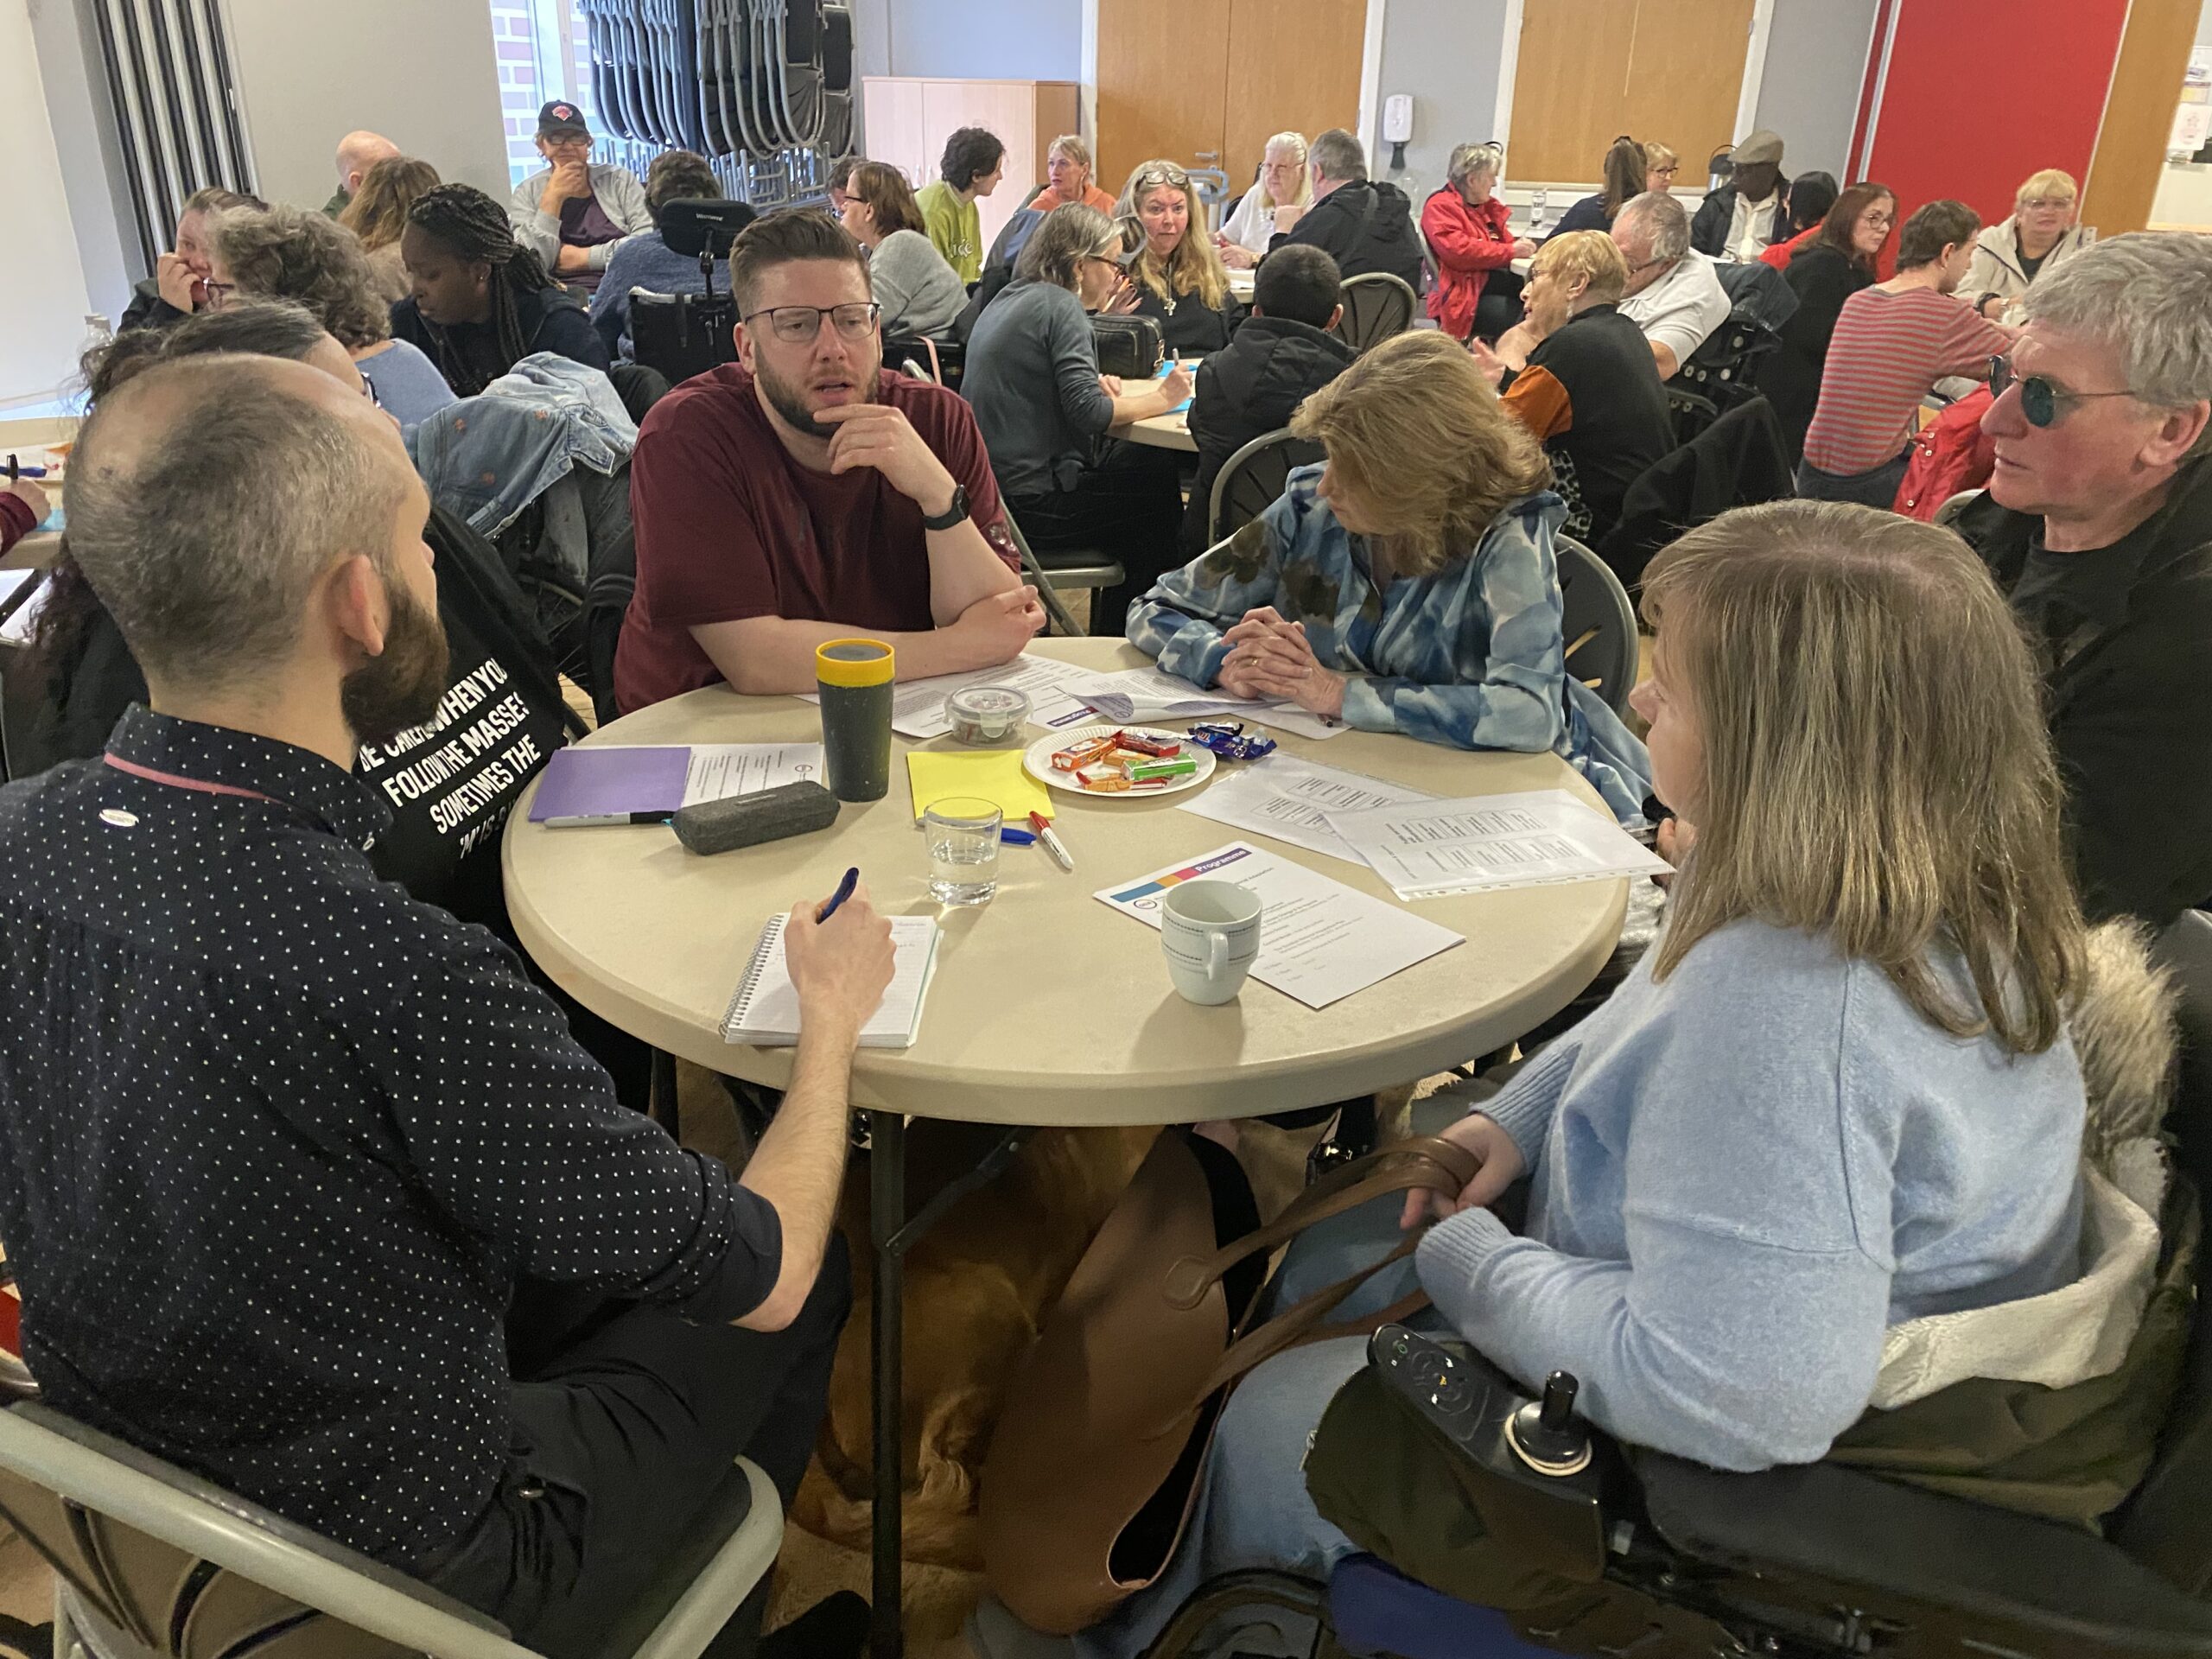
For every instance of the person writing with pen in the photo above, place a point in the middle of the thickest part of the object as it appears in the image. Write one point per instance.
(253, 1099)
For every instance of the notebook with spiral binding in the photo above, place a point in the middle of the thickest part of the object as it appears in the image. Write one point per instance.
(763, 1009)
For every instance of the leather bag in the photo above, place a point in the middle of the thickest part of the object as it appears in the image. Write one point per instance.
(1092, 1468)
(1131, 346)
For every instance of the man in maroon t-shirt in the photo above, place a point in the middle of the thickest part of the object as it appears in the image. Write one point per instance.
(802, 494)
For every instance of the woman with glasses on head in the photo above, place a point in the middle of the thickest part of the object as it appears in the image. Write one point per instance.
(482, 302)
(1181, 280)
(1406, 585)
(1844, 257)
(920, 294)
(2011, 253)
(288, 253)
(378, 214)
(1046, 412)
(1283, 182)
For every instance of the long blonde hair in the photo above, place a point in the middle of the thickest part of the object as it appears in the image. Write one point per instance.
(1875, 764)
(1194, 267)
(377, 213)
(1418, 434)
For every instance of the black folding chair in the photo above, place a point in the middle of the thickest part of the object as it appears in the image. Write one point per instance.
(1377, 306)
(1253, 479)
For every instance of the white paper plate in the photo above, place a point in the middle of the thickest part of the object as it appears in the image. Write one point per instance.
(1037, 761)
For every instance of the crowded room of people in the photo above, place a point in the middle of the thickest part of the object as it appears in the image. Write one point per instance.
(1106, 829)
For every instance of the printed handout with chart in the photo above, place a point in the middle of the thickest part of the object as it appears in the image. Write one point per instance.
(1054, 689)
(1528, 839)
(1319, 940)
(1290, 798)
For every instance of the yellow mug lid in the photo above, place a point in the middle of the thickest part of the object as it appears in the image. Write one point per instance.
(854, 662)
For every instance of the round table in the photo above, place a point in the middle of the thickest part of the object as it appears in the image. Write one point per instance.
(1162, 432)
(1046, 1007)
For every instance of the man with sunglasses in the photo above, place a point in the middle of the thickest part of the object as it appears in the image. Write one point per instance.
(2098, 525)
(802, 494)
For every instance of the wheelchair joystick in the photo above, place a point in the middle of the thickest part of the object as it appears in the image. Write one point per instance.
(1545, 1434)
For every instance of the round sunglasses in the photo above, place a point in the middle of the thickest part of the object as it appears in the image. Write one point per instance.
(2041, 402)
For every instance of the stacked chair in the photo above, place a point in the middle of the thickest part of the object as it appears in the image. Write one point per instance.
(762, 88)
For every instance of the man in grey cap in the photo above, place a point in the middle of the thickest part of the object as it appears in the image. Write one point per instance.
(1742, 217)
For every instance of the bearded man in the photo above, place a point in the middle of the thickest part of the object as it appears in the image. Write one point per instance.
(802, 494)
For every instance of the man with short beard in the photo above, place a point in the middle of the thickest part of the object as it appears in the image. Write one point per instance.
(802, 494)
(306, 1186)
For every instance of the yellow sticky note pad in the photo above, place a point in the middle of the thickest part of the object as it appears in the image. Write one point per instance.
(994, 775)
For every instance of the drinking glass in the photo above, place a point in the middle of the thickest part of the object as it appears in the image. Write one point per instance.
(963, 844)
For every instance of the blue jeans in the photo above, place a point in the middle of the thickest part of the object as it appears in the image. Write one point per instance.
(1874, 488)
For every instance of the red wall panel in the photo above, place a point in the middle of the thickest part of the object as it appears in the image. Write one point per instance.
(1980, 93)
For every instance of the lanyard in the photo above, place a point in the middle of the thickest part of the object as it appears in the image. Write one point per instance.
(175, 781)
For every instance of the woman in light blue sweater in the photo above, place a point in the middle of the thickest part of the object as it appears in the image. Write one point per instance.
(1837, 1095)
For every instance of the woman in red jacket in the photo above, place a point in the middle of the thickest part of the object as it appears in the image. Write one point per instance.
(1476, 291)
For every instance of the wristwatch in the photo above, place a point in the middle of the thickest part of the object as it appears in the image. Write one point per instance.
(953, 514)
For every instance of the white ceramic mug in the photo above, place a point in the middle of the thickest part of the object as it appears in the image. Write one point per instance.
(1211, 932)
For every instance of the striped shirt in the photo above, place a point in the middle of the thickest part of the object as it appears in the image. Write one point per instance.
(1888, 352)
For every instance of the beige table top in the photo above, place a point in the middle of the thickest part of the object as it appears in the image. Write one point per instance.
(1048, 1007)
(1163, 432)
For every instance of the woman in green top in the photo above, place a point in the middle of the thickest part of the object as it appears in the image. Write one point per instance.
(973, 162)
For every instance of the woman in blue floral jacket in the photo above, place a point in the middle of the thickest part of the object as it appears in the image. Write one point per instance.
(1406, 585)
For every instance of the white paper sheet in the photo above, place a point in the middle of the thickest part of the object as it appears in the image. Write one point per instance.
(1154, 695)
(917, 706)
(1320, 940)
(1531, 839)
(1288, 797)
(720, 769)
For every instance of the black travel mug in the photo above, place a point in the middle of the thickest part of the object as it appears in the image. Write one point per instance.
(854, 676)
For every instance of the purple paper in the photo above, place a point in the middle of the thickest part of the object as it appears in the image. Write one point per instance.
(593, 783)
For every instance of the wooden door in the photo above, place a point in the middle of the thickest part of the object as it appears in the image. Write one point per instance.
(1294, 66)
(2131, 152)
(1163, 84)
(1686, 75)
(1591, 70)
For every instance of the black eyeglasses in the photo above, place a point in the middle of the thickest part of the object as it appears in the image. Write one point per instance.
(795, 325)
(218, 294)
(2041, 402)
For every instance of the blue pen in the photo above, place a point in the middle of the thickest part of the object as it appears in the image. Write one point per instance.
(1017, 838)
(844, 891)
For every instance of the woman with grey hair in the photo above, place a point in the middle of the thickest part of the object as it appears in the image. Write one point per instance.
(1477, 293)
(287, 253)
(1045, 412)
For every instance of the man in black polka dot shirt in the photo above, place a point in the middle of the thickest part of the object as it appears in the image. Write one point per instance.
(306, 1187)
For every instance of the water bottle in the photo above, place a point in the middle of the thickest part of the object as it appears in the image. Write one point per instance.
(1537, 200)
